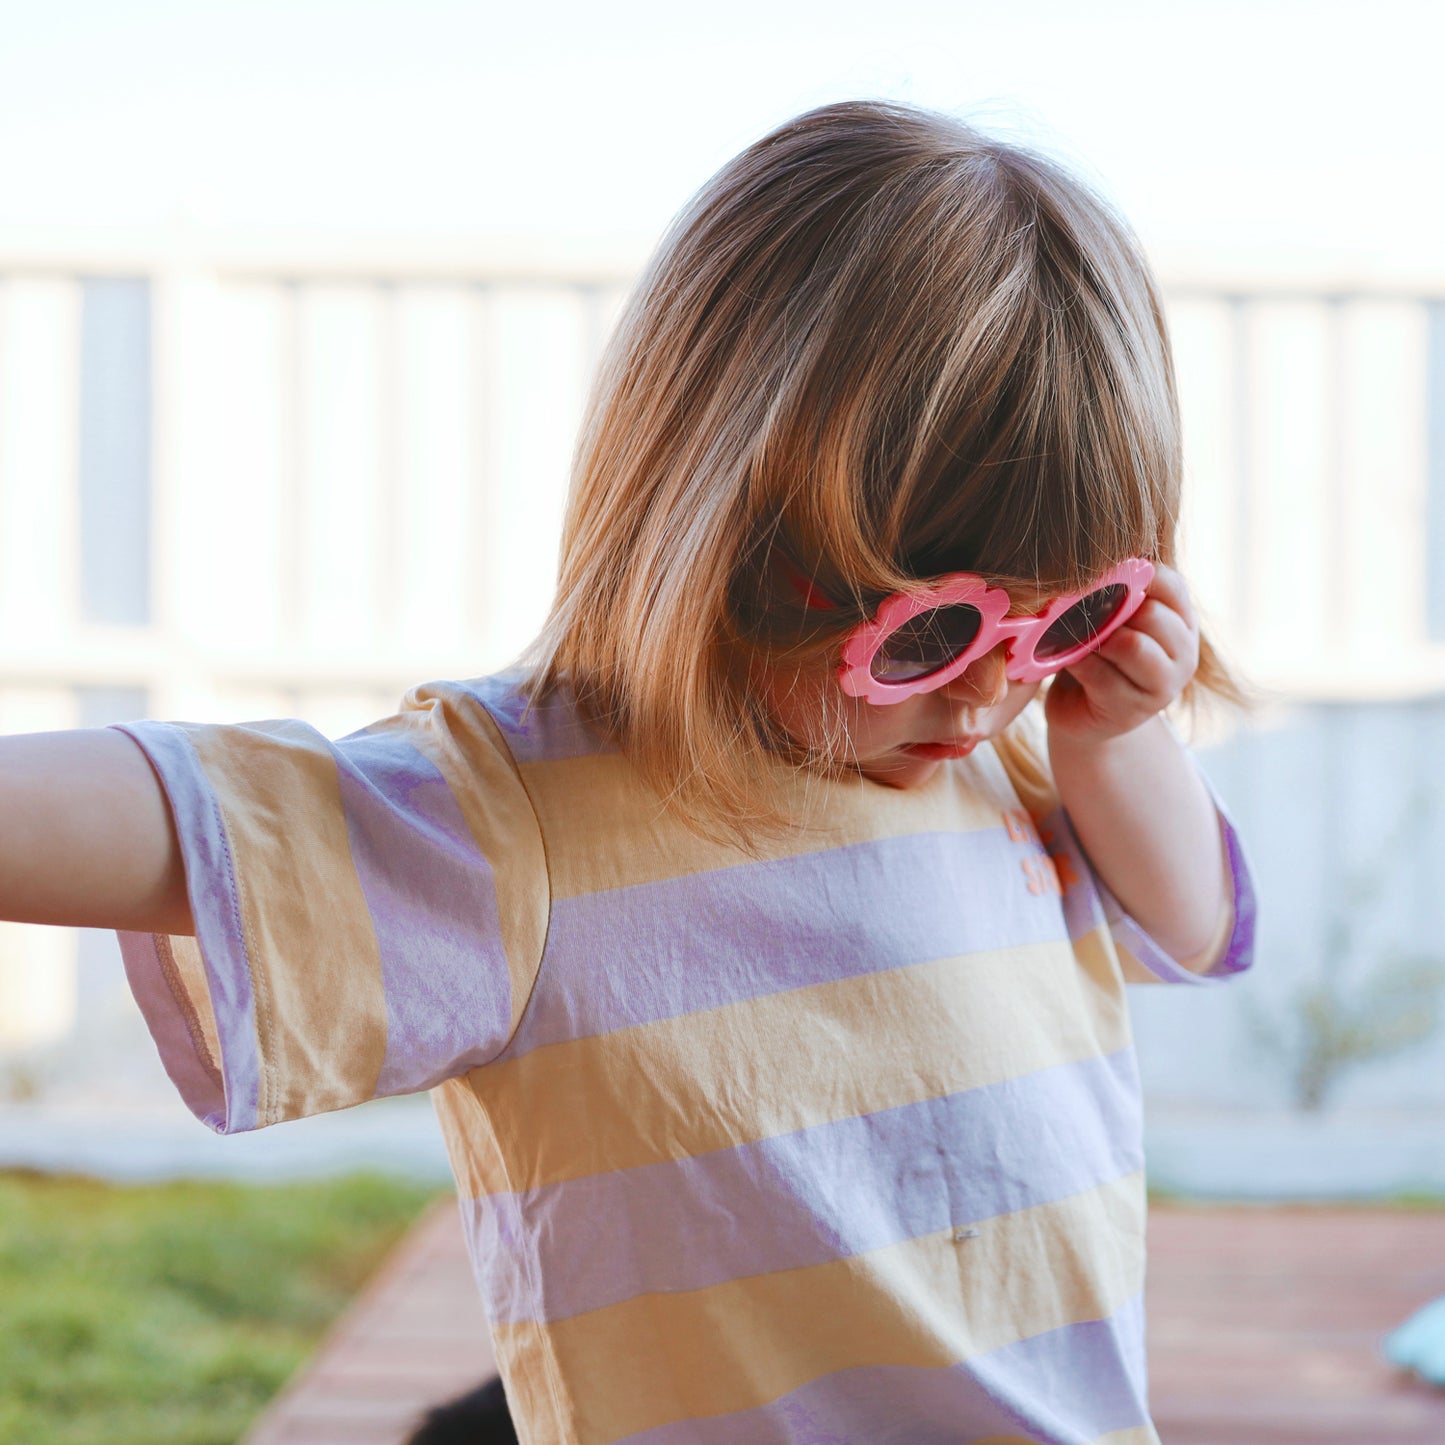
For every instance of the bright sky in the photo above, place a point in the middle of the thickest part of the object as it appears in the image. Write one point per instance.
(1240, 125)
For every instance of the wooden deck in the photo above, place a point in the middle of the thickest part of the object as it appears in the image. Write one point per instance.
(1264, 1329)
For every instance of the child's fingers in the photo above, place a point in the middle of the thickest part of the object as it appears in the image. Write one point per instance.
(1138, 670)
(1170, 629)
(1108, 686)
(1143, 660)
(1169, 587)
(1095, 674)
(1133, 665)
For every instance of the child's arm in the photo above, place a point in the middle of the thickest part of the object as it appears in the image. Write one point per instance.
(1137, 803)
(86, 835)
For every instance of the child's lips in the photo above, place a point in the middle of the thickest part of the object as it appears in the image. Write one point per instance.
(940, 752)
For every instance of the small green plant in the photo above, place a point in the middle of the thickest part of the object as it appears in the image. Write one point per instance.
(1395, 1007)
(19, 1083)
(1356, 1009)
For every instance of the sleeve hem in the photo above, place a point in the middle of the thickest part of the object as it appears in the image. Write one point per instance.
(174, 1027)
(1238, 952)
(221, 1086)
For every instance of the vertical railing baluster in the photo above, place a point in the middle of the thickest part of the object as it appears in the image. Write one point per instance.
(483, 383)
(593, 296)
(115, 455)
(292, 403)
(1435, 471)
(388, 441)
(1339, 585)
(1242, 532)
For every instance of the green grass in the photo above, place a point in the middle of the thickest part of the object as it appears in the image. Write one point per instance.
(170, 1314)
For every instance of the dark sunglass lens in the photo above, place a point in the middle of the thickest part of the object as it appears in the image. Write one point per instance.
(926, 643)
(1082, 623)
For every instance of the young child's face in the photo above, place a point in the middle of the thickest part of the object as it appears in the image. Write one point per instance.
(904, 744)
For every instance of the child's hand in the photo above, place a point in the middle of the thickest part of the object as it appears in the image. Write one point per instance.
(1137, 672)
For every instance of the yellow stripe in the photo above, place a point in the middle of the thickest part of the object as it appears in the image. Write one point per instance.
(471, 1143)
(459, 738)
(583, 804)
(1139, 1435)
(1005, 1440)
(539, 1402)
(769, 1066)
(932, 1301)
(315, 964)
(1132, 970)
(179, 956)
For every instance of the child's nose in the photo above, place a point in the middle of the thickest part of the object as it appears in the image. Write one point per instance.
(983, 683)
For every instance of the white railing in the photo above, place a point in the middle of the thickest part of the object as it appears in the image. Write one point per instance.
(1311, 512)
(358, 465)
(356, 477)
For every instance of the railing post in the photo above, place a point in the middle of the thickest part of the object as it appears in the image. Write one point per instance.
(1435, 472)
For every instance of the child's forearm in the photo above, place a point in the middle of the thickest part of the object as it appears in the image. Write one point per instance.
(1145, 818)
(86, 836)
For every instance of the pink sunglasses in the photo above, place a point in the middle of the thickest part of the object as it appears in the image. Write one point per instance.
(922, 639)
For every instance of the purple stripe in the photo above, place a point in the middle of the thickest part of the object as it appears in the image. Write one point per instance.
(805, 1198)
(211, 888)
(1064, 1387)
(1239, 955)
(546, 732)
(430, 893)
(635, 955)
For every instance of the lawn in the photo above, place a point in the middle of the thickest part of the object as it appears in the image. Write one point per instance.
(170, 1314)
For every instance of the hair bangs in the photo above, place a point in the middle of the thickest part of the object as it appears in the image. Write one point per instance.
(1050, 450)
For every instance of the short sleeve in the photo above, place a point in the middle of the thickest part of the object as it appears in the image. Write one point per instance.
(369, 912)
(1142, 959)
(1088, 902)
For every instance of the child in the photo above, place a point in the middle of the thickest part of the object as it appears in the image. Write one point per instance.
(773, 1002)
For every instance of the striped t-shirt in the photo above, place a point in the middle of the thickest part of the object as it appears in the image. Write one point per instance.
(839, 1142)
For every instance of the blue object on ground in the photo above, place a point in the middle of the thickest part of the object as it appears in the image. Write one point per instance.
(1419, 1344)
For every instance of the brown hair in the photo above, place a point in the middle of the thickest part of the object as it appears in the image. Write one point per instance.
(892, 346)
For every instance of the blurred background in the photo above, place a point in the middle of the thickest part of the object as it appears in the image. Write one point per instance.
(298, 306)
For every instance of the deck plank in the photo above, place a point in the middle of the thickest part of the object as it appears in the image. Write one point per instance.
(414, 1336)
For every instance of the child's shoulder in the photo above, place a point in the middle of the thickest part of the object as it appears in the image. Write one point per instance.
(589, 797)
(533, 730)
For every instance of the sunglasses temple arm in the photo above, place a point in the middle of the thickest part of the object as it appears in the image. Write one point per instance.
(814, 598)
